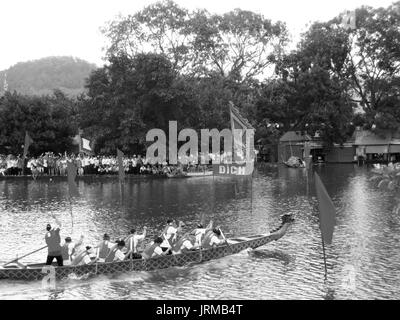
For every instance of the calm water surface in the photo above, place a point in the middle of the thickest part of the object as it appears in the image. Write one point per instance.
(366, 239)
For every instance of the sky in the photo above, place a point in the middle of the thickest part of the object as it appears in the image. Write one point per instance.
(33, 29)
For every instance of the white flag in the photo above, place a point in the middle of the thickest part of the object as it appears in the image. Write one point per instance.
(349, 20)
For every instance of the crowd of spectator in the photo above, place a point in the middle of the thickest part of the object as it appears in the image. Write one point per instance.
(56, 165)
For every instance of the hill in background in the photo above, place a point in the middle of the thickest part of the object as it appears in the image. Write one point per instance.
(42, 76)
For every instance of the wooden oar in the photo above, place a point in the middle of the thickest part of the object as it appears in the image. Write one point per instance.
(226, 241)
(28, 254)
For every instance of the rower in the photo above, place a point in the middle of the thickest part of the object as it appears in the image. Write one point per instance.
(132, 241)
(169, 234)
(200, 232)
(103, 248)
(68, 249)
(213, 238)
(186, 243)
(83, 257)
(53, 240)
(116, 253)
(154, 250)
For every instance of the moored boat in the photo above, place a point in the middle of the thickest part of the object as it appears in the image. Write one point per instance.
(233, 246)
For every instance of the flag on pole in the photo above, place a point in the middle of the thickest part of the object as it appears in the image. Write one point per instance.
(27, 143)
(349, 20)
(85, 146)
(71, 170)
(327, 211)
(243, 147)
(121, 171)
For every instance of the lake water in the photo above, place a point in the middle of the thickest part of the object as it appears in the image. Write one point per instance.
(363, 261)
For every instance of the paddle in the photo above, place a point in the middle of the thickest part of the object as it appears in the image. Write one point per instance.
(226, 241)
(28, 254)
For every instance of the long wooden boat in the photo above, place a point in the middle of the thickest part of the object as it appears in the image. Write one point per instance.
(235, 245)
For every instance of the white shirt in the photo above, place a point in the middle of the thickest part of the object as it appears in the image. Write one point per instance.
(133, 241)
(170, 232)
(119, 256)
(215, 240)
(157, 251)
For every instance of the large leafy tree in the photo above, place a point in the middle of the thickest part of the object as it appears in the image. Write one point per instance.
(239, 44)
(48, 119)
(131, 96)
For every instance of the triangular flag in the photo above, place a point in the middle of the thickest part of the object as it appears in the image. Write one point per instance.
(327, 211)
(349, 20)
(71, 170)
(27, 143)
(121, 171)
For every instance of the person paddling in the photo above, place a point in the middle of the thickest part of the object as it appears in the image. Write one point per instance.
(104, 248)
(213, 238)
(83, 257)
(169, 234)
(53, 241)
(116, 253)
(132, 241)
(154, 249)
(186, 243)
(68, 250)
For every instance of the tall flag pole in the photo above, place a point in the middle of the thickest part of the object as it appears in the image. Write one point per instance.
(121, 171)
(327, 215)
(28, 141)
(73, 189)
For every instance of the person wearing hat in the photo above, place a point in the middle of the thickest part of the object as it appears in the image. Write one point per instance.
(68, 250)
(104, 248)
(53, 241)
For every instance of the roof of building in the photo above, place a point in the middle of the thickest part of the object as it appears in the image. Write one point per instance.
(366, 137)
(295, 136)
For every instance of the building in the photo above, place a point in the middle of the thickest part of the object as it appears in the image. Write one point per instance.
(363, 145)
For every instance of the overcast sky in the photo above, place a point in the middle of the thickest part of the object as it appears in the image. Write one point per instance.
(32, 29)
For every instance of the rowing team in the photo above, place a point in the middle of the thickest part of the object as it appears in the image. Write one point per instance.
(171, 241)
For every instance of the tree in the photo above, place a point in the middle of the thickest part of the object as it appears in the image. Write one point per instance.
(48, 119)
(239, 44)
(131, 96)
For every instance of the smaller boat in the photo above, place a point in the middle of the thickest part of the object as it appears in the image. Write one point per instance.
(177, 175)
(200, 173)
(295, 162)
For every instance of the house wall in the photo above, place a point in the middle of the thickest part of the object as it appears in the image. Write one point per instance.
(341, 154)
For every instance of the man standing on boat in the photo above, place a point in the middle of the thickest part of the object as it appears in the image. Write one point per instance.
(53, 241)
(132, 241)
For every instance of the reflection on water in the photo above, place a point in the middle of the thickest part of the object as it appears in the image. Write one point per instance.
(366, 240)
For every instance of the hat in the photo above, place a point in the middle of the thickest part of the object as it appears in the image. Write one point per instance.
(106, 237)
(68, 239)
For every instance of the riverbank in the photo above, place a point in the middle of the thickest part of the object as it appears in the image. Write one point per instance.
(85, 177)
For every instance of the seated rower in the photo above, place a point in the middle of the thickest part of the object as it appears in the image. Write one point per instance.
(132, 241)
(68, 249)
(213, 239)
(83, 257)
(116, 253)
(154, 250)
(103, 248)
(170, 234)
(200, 232)
(186, 243)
